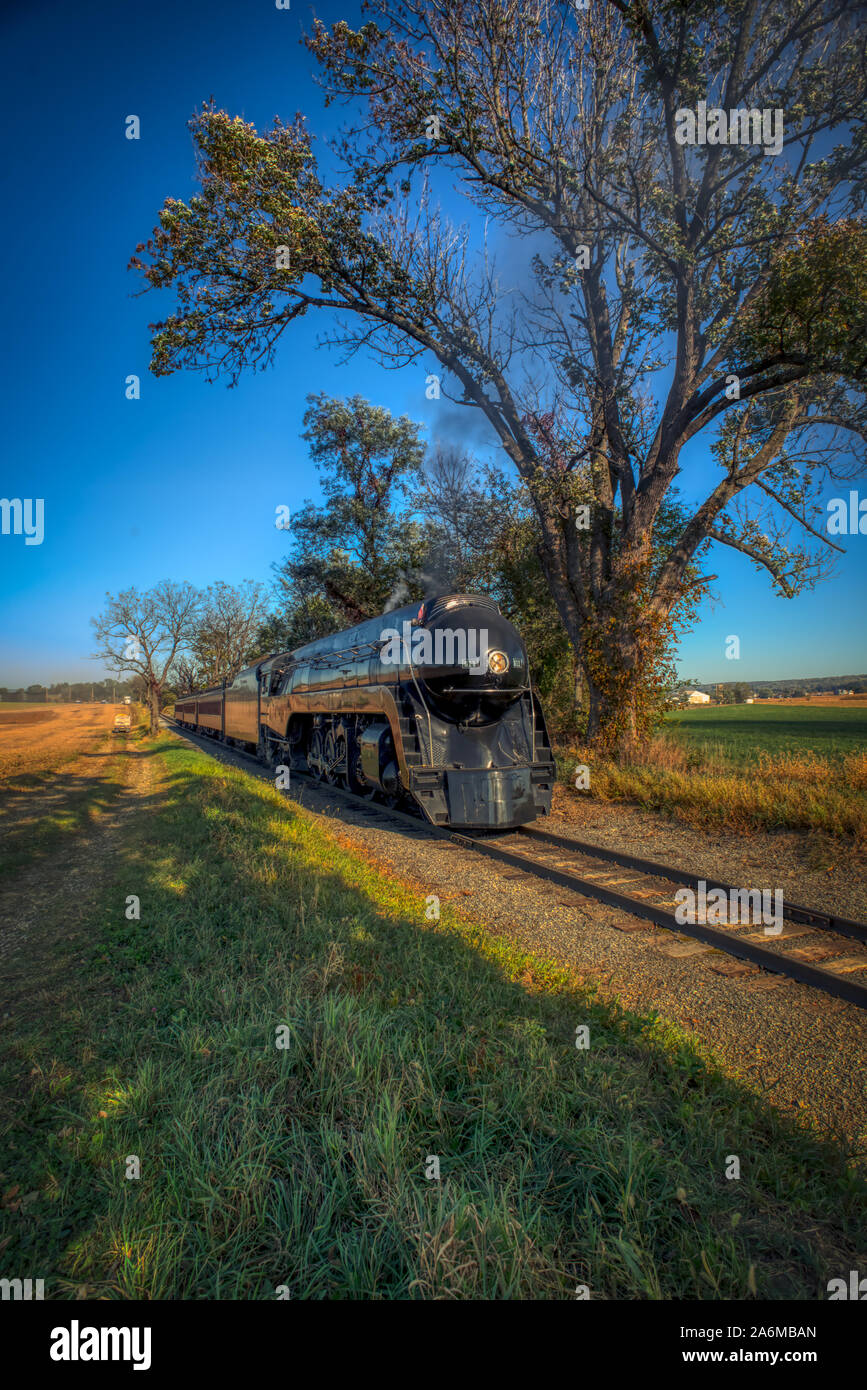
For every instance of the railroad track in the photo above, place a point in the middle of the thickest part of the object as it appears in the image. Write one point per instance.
(814, 948)
(807, 937)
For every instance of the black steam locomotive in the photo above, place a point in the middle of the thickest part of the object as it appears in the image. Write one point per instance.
(429, 704)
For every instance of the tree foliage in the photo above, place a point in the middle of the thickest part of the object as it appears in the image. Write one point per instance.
(358, 552)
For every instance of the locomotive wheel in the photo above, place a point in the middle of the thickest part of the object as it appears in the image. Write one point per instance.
(316, 755)
(356, 781)
(392, 793)
(335, 760)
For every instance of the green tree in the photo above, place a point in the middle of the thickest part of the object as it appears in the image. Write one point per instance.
(358, 552)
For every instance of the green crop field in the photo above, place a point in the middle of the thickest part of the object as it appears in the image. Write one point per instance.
(740, 731)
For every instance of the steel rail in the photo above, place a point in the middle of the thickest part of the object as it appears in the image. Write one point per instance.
(794, 912)
(777, 962)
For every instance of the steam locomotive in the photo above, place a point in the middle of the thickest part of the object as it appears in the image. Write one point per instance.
(429, 704)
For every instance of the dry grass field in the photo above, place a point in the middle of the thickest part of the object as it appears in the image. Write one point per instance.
(847, 701)
(61, 767)
(39, 739)
(775, 765)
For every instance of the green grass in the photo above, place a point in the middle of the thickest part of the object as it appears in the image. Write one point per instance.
(304, 1166)
(831, 731)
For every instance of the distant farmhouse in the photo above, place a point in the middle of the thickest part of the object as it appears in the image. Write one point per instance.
(689, 697)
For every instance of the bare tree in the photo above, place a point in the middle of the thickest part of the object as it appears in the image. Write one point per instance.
(676, 284)
(464, 520)
(144, 633)
(224, 633)
(185, 675)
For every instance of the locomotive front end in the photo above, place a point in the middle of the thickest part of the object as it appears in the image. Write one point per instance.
(475, 665)
(484, 758)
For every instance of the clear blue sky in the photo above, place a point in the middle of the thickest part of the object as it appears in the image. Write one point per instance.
(183, 483)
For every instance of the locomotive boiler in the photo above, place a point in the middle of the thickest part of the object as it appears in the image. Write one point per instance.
(430, 704)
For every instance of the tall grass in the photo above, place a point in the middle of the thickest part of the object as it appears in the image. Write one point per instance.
(705, 784)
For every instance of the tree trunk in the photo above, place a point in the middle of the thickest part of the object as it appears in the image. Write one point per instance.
(620, 693)
(580, 688)
(154, 705)
(611, 720)
(596, 714)
(615, 656)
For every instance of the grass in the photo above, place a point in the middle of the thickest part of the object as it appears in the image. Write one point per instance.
(745, 767)
(832, 731)
(304, 1165)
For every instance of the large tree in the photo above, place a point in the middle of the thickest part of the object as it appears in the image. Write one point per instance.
(671, 293)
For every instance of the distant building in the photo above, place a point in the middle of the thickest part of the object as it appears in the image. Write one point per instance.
(695, 697)
(749, 700)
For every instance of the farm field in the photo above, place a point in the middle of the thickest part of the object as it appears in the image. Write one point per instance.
(852, 701)
(303, 1165)
(742, 731)
(12, 705)
(60, 768)
(35, 739)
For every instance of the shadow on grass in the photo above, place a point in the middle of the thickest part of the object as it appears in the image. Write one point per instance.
(286, 1044)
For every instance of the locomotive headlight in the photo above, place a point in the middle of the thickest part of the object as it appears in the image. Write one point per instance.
(498, 663)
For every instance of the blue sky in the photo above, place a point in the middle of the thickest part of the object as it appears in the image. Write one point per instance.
(184, 482)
